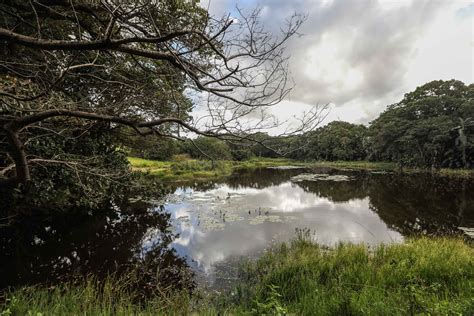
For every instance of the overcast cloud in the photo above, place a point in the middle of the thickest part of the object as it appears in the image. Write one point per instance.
(361, 55)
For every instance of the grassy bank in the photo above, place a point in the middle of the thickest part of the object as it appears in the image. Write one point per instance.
(389, 166)
(355, 165)
(423, 276)
(191, 169)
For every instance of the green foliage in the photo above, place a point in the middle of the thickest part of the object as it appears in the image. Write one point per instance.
(242, 154)
(86, 171)
(431, 127)
(153, 148)
(212, 148)
(91, 170)
(272, 304)
(259, 150)
(337, 141)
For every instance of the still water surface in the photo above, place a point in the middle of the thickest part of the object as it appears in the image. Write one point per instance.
(239, 218)
(210, 227)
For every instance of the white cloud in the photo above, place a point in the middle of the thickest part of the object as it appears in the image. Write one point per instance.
(362, 55)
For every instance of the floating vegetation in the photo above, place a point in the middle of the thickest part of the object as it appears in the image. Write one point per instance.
(184, 219)
(212, 224)
(320, 177)
(286, 167)
(233, 217)
(260, 219)
(175, 198)
(380, 172)
(469, 231)
(290, 218)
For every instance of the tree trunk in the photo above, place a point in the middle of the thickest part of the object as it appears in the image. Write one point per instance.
(18, 153)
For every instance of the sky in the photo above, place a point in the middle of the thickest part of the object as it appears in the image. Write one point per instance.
(362, 55)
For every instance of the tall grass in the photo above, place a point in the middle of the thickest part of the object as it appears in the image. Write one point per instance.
(423, 276)
(186, 169)
(192, 169)
(146, 163)
(107, 297)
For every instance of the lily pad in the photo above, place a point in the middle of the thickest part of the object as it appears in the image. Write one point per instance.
(320, 177)
(229, 217)
(380, 172)
(469, 231)
(260, 219)
(286, 167)
(212, 224)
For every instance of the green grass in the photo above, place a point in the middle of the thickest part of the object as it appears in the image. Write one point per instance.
(110, 297)
(357, 165)
(192, 169)
(424, 276)
(389, 166)
(145, 163)
(458, 173)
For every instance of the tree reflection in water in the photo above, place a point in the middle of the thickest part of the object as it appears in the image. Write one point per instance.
(58, 248)
(409, 204)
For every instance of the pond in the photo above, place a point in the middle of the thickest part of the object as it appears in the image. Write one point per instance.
(210, 227)
(222, 223)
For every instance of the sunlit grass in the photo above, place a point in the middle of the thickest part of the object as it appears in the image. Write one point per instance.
(186, 169)
(192, 169)
(146, 163)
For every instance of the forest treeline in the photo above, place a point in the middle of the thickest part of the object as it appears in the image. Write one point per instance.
(431, 127)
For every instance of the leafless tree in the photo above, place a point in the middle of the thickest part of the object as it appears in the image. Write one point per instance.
(142, 64)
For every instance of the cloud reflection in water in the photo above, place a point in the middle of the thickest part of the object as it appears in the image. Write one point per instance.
(279, 209)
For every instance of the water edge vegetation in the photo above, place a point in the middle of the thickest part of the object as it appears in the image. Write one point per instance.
(430, 276)
(186, 169)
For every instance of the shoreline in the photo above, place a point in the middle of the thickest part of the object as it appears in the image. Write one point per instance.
(202, 170)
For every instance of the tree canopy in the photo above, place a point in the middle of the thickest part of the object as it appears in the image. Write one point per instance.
(68, 66)
(432, 126)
